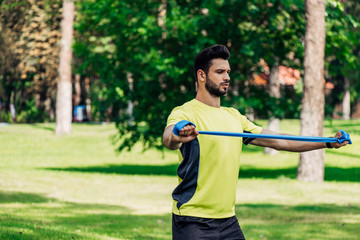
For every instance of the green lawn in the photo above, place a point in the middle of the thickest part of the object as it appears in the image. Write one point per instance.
(77, 187)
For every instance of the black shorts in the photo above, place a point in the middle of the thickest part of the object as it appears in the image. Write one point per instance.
(194, 228)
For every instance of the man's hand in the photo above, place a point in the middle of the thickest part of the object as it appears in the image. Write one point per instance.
(186, 134)
(336, 144)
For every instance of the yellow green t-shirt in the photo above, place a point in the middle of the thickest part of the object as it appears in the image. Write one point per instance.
(209, 165)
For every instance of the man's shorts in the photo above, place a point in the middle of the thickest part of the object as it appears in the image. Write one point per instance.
(194, 228)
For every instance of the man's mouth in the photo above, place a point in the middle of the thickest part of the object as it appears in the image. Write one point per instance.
(225, 84)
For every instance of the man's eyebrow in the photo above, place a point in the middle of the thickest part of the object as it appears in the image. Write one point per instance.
(222, 69)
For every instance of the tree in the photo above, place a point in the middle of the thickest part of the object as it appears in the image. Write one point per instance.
(29, 39)
(340, 53)
(311, 166)
(156, 44)
(139, 53)
(352, 8)
(141, 39)
(64, 92)
(274, 91)
(346, 99)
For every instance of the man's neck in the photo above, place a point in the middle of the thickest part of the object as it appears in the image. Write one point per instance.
(208, 99)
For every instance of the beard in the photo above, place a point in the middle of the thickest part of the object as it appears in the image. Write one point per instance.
(214, 89)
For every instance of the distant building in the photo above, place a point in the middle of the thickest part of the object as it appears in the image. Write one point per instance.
(287, 76)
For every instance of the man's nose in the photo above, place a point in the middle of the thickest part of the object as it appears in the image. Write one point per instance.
(227, 77)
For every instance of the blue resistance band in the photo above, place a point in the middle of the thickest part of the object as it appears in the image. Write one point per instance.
(345, 136)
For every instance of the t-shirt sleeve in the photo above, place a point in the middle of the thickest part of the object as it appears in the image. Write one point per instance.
(176, 115)
(249, 126)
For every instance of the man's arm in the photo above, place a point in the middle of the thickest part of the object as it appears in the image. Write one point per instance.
(173, 142)
(293, 146)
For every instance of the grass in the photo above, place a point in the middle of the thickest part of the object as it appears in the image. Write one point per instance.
(77, 187)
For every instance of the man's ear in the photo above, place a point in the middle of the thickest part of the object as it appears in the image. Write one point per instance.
(201, 76)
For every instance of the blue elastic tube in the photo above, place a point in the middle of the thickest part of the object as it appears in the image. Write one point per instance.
(343, 138)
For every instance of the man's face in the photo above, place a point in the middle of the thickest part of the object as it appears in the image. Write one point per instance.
(218, 79)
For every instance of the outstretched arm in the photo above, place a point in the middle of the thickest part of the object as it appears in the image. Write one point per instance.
(173, 142)
(293, 146)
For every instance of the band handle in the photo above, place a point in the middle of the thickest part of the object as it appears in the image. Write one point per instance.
(345, 137)
(179, 125)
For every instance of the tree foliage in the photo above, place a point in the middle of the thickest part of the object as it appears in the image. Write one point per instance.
(342, 42)
(144, 55)
(140, 53)
(28, 69)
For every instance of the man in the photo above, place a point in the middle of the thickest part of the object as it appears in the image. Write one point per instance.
(204, 200)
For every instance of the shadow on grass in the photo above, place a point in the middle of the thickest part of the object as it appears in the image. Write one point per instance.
(40, 126)
(352, 126)
(331, 173)
(19, 197)
(342, 174)
(342, 124)
(267, 173)
(26, 198)
(318, 208)
(159, 170)
(349, 131)
(68, 220)
(321, 221)
(344, 154)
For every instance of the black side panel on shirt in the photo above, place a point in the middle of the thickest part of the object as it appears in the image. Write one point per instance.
(247, 140)
(188, 171)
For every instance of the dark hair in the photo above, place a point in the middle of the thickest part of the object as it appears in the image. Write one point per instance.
(203, 60)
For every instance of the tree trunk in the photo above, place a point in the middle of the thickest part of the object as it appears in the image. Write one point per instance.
(311, 165)
(77, 87)
(162, 18)
(64, 88)
(274, 91)
(12, 106)
(48, 107)
(346, 99)
(130, 107)
(87, 99)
